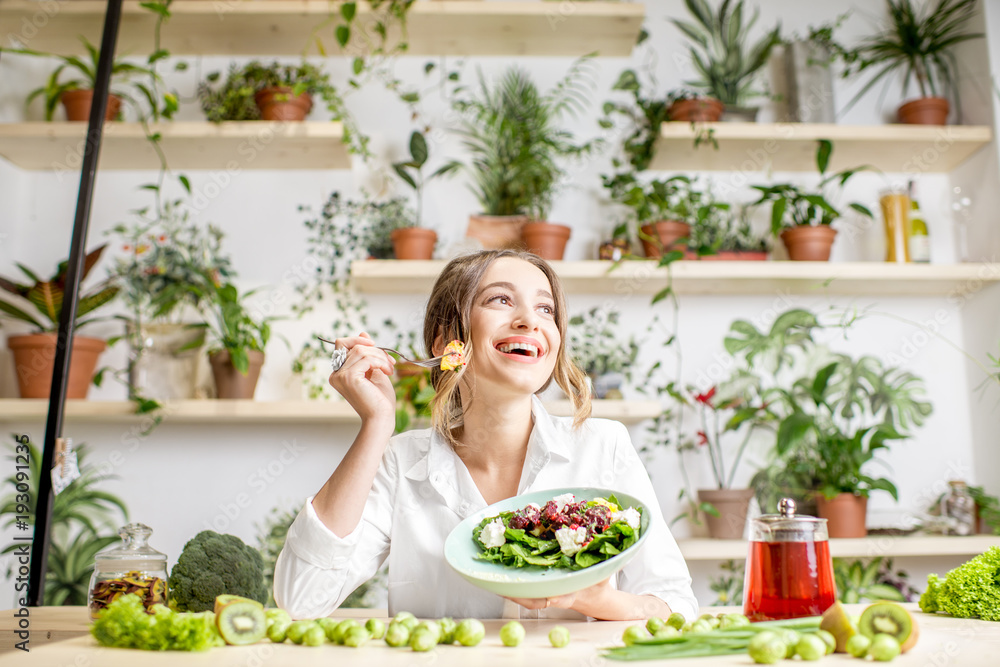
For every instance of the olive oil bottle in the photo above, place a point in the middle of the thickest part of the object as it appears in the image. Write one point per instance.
(920, 242)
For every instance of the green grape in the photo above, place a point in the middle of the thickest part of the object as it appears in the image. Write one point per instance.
(676, 620)
(655, 624)
(766, 648)
(447, 626)
(829, 640)
(277, 631)
(356, 636)
(858, 645)
(423, 639)
(632, 633)
(342, 629)
(397, 634)
(314, 636)
(375, 627)
(559, 636)
(470, 632)
(297, 630)
(512, 633)
(884, 647)
(810, 647)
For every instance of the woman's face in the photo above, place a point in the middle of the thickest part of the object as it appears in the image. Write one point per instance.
(516, 340)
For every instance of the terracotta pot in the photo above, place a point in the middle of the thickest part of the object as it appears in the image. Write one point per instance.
(924, 111)
(497, 231)
(702, 109)
(229, 383)
(729, 256)
(734, 114)
(34, 356)
(279, 104)
(668, 231)
(77, 104)
(809, 244)
(545, 239)
(845, 514)
(732, 505)
(413, 243)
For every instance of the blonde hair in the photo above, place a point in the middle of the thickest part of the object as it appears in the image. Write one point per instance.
(449, 312)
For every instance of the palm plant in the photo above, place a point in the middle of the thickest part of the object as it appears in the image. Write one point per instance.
(47, 295)
(512, 133)
(726, 63)
(82, 517)
(918, 44)
(53, 89)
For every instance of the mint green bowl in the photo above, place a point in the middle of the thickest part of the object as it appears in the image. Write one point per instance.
(532, 581)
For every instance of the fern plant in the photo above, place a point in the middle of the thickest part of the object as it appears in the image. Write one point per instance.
(512, 131)
(82, 517)
(727, 64)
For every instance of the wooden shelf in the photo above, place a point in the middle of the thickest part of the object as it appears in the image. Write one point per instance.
(265, 412)
(759, 147)
(706, 277)
(286, 27)
(233, 146)
(866, 547)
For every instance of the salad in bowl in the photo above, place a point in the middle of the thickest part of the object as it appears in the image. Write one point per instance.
(566, 532)
(548, 543)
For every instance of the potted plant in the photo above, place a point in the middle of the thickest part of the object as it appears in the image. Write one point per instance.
(690, 106)
(831, 410)
(920, 45)
(232, 100)
(76, 94)
(167, 273)
(515, 145)
(726, 414)
(34, 353)
(727, 62)
(413, 241)
(239, 338)
(803, 218)
(725, 237)
(596, 348)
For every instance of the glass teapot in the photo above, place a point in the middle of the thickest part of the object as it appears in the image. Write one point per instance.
(131, 567)
(789, 572)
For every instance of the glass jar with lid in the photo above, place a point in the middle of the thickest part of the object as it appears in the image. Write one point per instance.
(960, 509)
(789, 572)
(130, 567)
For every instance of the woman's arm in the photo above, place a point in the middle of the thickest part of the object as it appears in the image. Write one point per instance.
(364, 381)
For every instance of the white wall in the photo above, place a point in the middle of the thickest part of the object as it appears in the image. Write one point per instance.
(184, 478)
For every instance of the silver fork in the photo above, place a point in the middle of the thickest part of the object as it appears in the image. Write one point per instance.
(433, 362)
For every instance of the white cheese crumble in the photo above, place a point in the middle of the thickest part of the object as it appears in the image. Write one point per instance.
(535, 506)
(563, 500)
(631, 517)
(493, 534)
(571, 539)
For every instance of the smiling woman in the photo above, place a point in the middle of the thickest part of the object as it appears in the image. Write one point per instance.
(398, 498)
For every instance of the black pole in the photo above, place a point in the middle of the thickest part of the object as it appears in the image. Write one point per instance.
(64, 341)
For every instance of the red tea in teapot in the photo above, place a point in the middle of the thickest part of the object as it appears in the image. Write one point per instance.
(788, 580)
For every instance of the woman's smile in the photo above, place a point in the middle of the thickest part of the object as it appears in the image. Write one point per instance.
(523, 349)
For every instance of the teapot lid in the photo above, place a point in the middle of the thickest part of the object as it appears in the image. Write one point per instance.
(787, 526)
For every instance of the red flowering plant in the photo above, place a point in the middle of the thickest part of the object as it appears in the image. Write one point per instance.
(168, 261)
(726, 413)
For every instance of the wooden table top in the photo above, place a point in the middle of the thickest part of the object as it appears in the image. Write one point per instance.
(943, 641)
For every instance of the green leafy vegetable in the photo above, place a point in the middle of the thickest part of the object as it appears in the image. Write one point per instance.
(211, 565)
(125, 624)
(971, 590)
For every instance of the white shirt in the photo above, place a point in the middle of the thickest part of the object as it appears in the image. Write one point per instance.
(422, 490)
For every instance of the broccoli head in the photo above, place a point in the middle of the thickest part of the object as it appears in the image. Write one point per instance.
(971, 590)
(212, 564)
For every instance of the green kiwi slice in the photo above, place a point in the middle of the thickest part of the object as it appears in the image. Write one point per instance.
(240, 620)
(891, 619)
